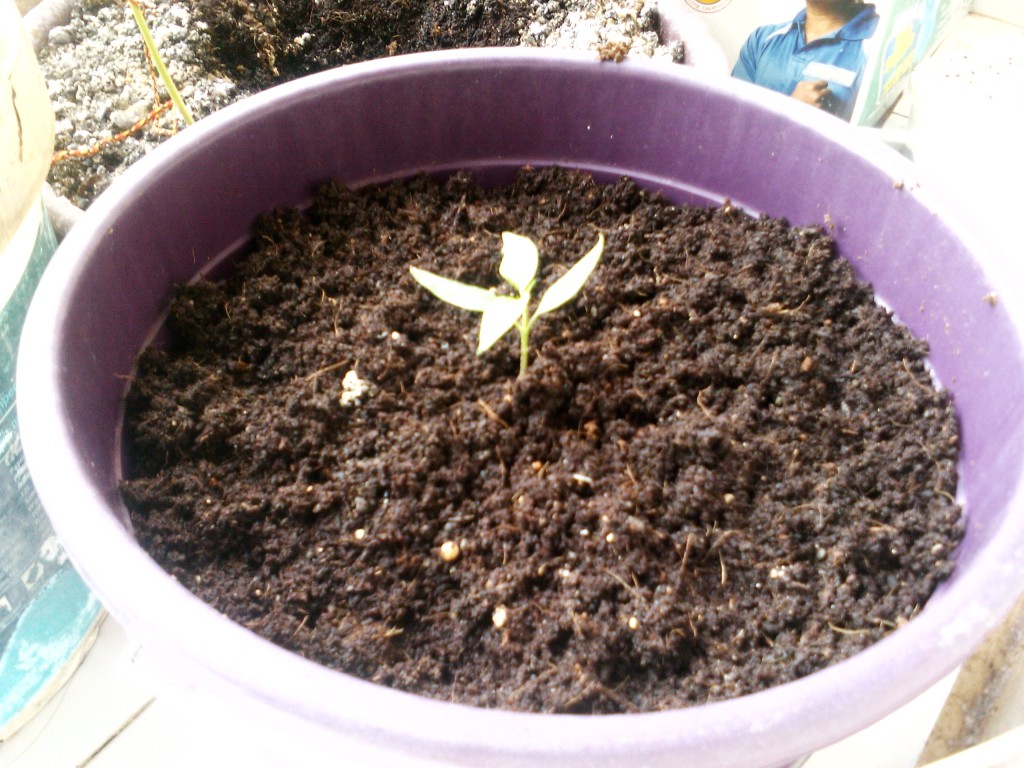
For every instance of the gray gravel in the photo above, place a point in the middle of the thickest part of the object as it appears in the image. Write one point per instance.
(100, 84)
(589, 24)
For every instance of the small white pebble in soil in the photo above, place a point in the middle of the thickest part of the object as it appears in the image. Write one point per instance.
(450, 551)
(610, 538)
(584, 532)
(499, 617)
(729, 498)
(360, 534)
(636, 313)
(353, 389)
(633, 622)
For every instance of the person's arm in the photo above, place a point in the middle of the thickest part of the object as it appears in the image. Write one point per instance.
(746, 64)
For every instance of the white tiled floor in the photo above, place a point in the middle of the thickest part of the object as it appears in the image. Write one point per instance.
(118, 712)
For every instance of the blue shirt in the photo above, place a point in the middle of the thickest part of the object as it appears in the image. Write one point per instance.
(776, 56)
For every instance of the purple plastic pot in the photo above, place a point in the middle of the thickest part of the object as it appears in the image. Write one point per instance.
(192, 201)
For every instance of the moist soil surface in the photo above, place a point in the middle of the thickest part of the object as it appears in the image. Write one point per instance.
(726, 467)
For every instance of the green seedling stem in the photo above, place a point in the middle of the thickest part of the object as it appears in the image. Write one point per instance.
(158, 62)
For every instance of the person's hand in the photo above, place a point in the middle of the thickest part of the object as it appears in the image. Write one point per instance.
(813, 92)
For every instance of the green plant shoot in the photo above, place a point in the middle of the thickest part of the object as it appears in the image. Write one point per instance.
(500, 313)
(158, 62)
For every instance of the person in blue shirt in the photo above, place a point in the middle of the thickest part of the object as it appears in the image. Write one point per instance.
(817, 58)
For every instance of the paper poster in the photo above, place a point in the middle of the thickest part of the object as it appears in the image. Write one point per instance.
(855, 70)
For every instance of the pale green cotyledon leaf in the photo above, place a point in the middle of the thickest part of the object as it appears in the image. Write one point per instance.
(569, 284)
(499, 318)
(454, 292)
(519, 260)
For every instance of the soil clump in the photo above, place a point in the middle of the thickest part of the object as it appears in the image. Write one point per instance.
(726, 467)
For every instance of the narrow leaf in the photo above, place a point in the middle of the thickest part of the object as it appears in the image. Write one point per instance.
(518, 261)
(569, 284)
(498, 319)
(454, 292)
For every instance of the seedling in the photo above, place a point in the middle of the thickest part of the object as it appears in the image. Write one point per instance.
(501, 313)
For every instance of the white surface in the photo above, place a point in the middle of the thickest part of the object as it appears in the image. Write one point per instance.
(1004, 10)
(966, 120)
(170, 727)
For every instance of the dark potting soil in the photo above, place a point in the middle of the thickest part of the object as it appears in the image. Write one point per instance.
(725, 467)
(262, 42)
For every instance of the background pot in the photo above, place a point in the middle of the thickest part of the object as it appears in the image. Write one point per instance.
(100, 83)
(191, 202)
(48, 619)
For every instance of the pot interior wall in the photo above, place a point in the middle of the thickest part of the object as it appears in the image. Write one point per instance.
(193, 201)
